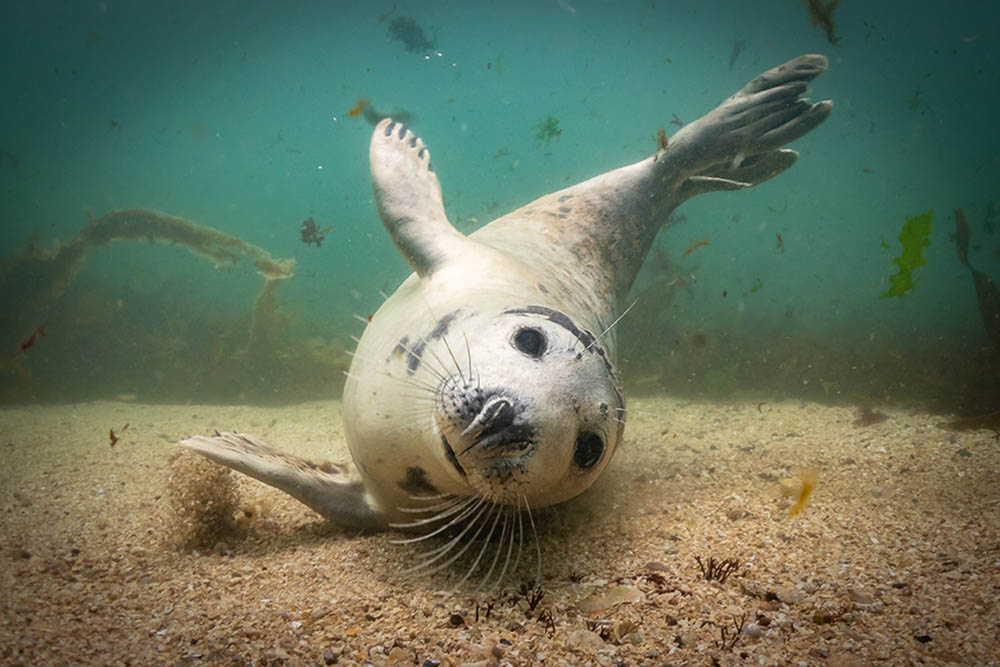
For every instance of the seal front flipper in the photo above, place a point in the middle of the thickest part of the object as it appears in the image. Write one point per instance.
(327, 490)
(408, 196)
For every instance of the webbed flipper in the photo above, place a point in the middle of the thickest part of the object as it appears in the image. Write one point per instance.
(328, 489)
(739, 143)
(408, 196)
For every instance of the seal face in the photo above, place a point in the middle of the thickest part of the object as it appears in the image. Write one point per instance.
(486, 383)
(537, 415)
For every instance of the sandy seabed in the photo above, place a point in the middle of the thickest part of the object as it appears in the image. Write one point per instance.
(895, 560)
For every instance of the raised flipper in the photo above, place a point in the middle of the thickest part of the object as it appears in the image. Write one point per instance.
(408, 196)
(328, 489)
(738, 144)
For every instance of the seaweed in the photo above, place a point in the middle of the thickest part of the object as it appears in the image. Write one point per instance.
(718, 570)
(404, 29)
(822, 15)
(914, 238)
(547, 130)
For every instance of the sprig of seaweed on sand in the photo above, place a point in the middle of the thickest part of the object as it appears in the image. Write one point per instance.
(717, 570)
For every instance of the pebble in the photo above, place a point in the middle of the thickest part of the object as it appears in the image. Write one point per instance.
(790, 595)
(584, 639)
(753, 630)
(859, 596)
(608, 598)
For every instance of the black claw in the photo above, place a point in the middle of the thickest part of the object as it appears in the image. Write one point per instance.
(402, 131)
(430, 167)
(420, 153)
(413, 141)
(388, 128)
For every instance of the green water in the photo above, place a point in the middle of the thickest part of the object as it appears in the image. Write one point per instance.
(236, 116)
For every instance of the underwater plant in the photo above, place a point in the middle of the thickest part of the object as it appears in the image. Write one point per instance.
(548, 129)
(914, 238)
(404, 29)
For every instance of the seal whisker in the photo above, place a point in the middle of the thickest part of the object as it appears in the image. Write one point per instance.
(538, 546)
(498, 511)
(435, 554)
(451, 353)
(447, 497)
(612, 325)
(463, 508)
(507, 535)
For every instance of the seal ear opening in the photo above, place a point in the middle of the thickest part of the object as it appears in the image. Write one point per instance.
(588, 451)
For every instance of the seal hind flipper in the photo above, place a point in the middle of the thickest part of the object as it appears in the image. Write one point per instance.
(408, 196)
(331, 493)
(756, 121)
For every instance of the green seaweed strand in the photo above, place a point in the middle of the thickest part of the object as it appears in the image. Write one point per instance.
(914, 237)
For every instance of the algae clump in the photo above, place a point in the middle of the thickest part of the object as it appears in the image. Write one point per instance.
(914, 237)
(548, 129)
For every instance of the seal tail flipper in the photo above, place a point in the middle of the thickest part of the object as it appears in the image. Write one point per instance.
(327, 489)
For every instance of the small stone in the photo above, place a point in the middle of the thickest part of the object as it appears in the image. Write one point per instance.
(606, 599)
(656, 566)
(456, 620)
(753, 630)
(584, 639)
(858, 596)
(498, 651)
(878, 491)
(401, 656)
(319, 613)
(790, 595)
(328, 657)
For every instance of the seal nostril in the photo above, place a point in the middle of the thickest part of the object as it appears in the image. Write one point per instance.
(502, 417)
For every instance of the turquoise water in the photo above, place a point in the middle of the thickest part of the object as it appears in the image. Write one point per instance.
(235, 115)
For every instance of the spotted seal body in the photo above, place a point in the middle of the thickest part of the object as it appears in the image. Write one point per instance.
(489, 374)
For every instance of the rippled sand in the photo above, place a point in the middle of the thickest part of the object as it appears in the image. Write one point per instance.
(894, 559)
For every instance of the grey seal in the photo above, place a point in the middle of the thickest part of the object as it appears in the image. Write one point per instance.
(486, 384)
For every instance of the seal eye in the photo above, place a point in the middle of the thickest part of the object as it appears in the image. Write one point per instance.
(589, 448)
(530, 341)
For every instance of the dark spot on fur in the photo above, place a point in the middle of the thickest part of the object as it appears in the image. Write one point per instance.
(541, 288)
(413, 356)
(441, 328)
(565, 209)
(416, 483)
(400, 348)
(565, 198)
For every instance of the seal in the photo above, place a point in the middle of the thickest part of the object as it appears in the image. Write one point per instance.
(486, 384)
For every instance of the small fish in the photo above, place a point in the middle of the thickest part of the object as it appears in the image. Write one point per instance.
(808, 478)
